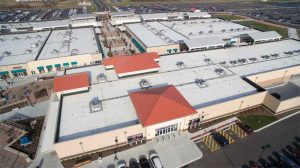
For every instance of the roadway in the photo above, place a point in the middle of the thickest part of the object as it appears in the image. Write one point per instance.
(245, 151)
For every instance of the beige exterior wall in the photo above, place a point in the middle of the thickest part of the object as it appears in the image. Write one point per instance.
(182, 124)
(288, 104)
(278, 106)
(81, 60)
(274, 77)
(226, 108)
(98, 141)
(271, 102)
(9, 68)
(164, 49)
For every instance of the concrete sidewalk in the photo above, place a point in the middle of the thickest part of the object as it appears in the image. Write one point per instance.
(174, 150)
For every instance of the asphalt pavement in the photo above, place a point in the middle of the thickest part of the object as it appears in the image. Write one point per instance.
(245, 151)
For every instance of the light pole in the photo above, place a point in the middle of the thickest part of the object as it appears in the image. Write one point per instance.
(284, 75)
(263, 147)
(80, 143)
(116, 150)
(26, 94)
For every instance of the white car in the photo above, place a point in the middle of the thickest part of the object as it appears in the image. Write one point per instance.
(154, 159)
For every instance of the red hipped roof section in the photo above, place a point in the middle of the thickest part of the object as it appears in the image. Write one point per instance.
(131, 63)
(72, 81)
(160, 104)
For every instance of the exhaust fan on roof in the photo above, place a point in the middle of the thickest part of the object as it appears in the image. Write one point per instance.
(180, 64)
(145, 84)
(201, 83)
(95, 105)
(220, 71)
(101, 77)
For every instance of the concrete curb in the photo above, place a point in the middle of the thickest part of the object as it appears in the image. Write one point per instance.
(262, 128)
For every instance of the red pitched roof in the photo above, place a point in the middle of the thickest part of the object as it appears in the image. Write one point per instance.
(160, 104)
(131, 63)
(72, 81)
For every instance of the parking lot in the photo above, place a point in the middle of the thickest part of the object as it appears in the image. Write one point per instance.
(39, 15)
(286, 13)
(271, 143)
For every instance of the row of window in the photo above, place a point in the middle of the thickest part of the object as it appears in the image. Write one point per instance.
(172, 50)
(166, 130)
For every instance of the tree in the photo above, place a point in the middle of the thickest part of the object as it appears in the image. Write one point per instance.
(109, 54)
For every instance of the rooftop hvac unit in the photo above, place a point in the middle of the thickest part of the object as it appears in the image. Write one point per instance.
(28, 37)
(180, 65)
(54, 51)
(95, 105)
(253, 59)
(208, 60)
(266, 57)
(2, 39)
(200, 32)
(231, 29)
(242, 61)
(74, 51)
(191, 33)
(297, 51)
(38, 36)
(35, 45)
(211, 31)
(233, 62)
(275, 56)
(6, 53)
(223, 62)
(220, 72)
(28, 51)
(201, 83)
(223, 30)
(145, 84)
(101, 77)
(16, 38)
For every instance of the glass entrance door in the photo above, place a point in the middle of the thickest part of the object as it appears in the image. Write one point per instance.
(166, 130)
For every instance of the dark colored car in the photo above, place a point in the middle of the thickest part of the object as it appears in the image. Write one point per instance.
(133, 164)
(144, 163)
(220, 139)
(245, 127)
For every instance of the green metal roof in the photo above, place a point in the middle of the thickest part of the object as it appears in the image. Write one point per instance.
(40, 68)
(57, 65)
(4, 73)
(18, 70)
(74, 63)
(49, 66)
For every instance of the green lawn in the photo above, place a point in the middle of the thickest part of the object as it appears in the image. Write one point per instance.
(265, 27)
(257, 121)
(229, 17)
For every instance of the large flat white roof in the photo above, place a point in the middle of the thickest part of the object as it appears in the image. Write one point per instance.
(208, 28)
(170, 32)
(21, 48)
(70, 42)
(118, 110)
(155, 34)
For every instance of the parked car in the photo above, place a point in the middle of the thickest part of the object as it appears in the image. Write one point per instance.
(288, 162)
(154, 160)
(220, 139)
(133, 164)
(245, 127)
(144, 163)
(121, 165)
